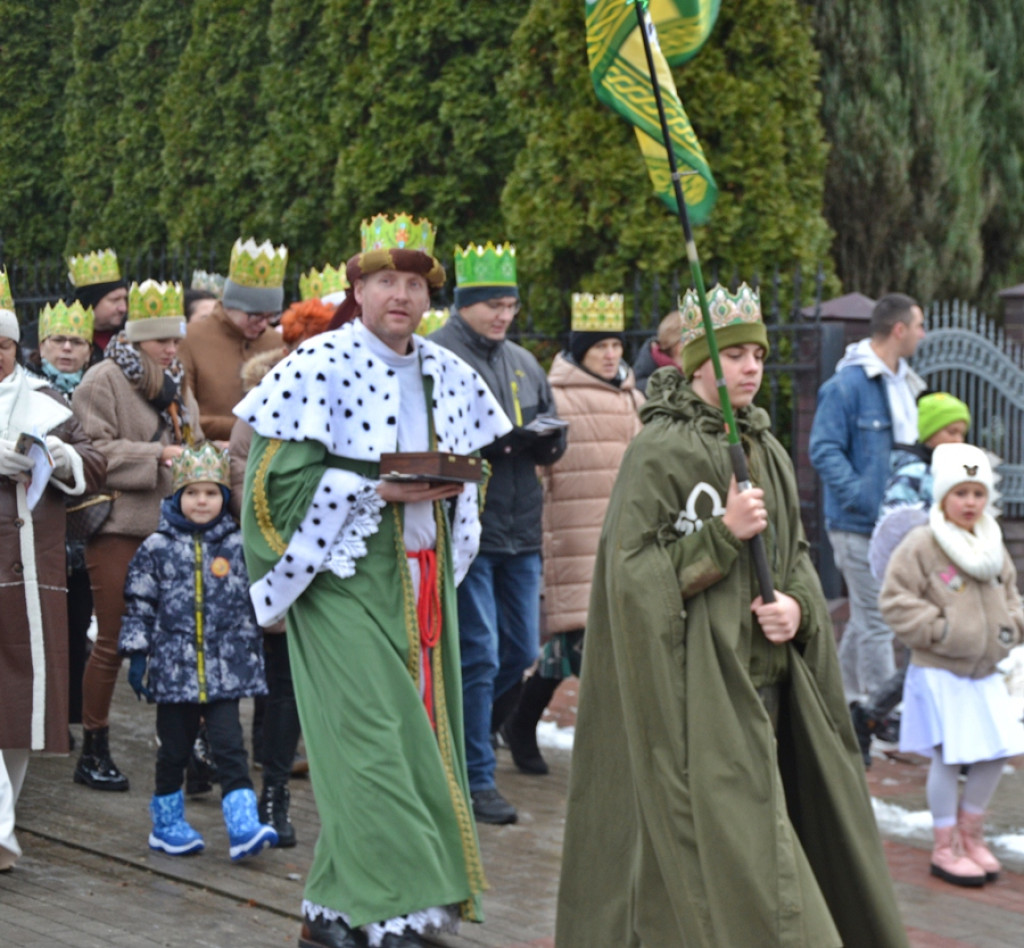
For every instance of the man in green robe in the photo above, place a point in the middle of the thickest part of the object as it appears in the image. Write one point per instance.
(365, 572)
(716, 797)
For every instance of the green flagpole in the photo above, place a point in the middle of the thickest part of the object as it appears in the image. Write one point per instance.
(736, 455)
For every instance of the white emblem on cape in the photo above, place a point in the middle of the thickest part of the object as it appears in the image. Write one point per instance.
(688, 521)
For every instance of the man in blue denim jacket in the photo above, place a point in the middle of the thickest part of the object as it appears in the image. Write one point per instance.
(863, 410)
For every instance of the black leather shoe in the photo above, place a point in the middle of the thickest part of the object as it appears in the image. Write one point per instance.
(318, 932)
(489, 806)
(95, 768)
(408, 939)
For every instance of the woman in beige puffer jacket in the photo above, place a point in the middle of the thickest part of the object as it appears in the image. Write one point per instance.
(595, 392)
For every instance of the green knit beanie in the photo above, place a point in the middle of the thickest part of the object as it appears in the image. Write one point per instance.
(937, 410)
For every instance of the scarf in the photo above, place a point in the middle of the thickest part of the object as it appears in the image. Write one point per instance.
(64, 382)
(978, 554)
(22, 409)
(168, 401)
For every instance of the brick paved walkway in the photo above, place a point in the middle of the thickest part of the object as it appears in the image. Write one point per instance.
(88, 879)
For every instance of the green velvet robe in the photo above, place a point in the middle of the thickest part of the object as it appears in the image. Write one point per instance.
(397, 831)
(691, 822)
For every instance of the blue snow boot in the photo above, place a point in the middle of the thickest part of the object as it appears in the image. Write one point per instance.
(245, 831)
(171, 832)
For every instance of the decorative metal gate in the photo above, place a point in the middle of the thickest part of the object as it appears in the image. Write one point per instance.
(967, 355)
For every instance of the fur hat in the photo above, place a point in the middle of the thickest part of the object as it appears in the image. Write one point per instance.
(954, 464)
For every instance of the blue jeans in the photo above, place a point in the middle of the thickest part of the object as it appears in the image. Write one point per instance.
(499, 634)
(866, 657)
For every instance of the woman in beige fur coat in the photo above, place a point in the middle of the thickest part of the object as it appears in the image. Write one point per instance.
(594, 391)
(136, 408)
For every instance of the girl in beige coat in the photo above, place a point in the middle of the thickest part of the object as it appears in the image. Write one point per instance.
(137, 410)
(950, 595)
(595, 391)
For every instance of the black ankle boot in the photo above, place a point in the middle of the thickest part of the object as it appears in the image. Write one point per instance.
(273, 811)
(95, 768)
(520, 727)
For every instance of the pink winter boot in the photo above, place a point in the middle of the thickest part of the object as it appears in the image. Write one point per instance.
(949, 862)
(973, 840)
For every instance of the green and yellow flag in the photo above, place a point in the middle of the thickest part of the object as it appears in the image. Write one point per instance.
(618, 68)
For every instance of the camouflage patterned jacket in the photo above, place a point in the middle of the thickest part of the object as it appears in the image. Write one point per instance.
(187, 607)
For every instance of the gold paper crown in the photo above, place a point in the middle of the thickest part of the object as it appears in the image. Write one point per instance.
(432, 319)
(202, 464)
(726, 309)
(401, 232)
(98, 266)
(6, 298)
(319, 283)
(154, 300)
(488, 265)
(597, 312)
(60, 318)
(255, 265)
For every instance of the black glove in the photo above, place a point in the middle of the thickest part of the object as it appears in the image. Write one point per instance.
(136, 674)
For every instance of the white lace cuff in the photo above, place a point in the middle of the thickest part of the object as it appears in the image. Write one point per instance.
(363, 520)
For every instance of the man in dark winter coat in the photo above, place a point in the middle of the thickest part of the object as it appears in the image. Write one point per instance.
(499, 600)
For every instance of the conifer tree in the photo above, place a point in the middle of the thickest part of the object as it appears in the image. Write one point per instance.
(999, 27)
(904, 89)
(33, 72)
(421, 126)
(294, 162)
(151, 43)
(91, 121)
(579, 202)
(211, 122)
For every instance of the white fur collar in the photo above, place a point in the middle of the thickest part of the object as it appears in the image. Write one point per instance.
(334, 390)
(979, 554)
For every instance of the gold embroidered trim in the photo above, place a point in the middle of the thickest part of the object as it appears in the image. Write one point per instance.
(412, 625)
(463, 815)
(260, 503)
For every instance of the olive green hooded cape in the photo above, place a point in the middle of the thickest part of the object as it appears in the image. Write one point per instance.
(690, 821)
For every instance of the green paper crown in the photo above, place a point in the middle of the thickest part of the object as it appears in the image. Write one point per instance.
(204, 280)
(6, 298)
(195, 465)
(65, 320)
(726, 309)
(255, 265)
(398, 233)
(153, 300)
(432, 319)
(485, 266)
(98, 266)
(319, 283)
(597, 312)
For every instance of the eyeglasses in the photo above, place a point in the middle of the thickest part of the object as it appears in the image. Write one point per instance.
(272, 318)
(61, 341)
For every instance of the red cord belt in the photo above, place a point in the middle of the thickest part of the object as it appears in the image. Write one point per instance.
(428, 617)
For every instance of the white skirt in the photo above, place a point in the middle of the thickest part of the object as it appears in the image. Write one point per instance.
(972, 719)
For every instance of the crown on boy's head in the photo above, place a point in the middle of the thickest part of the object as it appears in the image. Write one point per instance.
(207, 463)
(97, 266)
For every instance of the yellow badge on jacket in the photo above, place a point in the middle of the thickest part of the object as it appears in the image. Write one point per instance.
(220, 567)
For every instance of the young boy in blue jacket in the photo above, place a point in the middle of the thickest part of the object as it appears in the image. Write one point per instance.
(189, 618)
